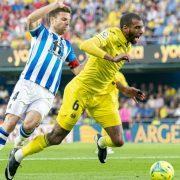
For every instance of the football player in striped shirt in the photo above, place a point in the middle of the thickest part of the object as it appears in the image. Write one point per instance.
(35, 90)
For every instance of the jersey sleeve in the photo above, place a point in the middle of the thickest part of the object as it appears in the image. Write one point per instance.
(103, 37)
(71, 58)
(35, 32)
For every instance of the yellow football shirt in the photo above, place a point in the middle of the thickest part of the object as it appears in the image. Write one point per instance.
(113, 91)
(111, 88)
(99, 73)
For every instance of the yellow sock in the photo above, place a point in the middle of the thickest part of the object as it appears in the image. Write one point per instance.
(105, 141)
(34, 146)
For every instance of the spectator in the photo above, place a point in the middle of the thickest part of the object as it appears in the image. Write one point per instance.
(4, 95)
(177, 112)
(159, 101)
(125, 115)
(162, 18)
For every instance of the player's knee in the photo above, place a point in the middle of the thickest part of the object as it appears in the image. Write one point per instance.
(10, 122)
(30, 125)
(32, 120)
(118, 142)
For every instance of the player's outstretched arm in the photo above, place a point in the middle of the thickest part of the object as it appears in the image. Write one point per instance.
(93, 46)
(34, 17)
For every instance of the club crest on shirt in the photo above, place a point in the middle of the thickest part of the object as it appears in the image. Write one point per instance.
(57, 48)
(73, 115)
(104, 34)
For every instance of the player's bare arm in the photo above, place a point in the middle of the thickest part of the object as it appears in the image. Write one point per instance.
(34, 18)
(131, 92)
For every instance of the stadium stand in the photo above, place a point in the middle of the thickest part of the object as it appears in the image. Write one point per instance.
(89, 17)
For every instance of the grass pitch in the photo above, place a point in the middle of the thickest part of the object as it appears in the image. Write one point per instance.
(79, 162)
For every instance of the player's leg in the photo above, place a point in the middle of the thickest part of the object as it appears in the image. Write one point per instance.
(109, 149)
(36, 111)
(31, 121)
(106, 114)
(40, 142)
(15, 108)
(114, 137)
(7, 127)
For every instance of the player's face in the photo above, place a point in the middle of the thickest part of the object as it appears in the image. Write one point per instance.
(135, 30)
(61, 22)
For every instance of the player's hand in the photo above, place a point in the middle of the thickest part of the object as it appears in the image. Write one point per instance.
(121, 57)
(135, 94)
(60, 4)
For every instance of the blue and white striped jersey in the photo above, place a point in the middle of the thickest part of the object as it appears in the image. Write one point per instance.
(47, 54)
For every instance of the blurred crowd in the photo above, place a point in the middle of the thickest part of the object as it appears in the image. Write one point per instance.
(92, 16)
(163, 103)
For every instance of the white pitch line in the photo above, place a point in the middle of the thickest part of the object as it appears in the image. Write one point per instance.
(93, 158)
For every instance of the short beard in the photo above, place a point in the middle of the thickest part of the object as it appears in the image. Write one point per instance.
(59, 32)
(132, 39)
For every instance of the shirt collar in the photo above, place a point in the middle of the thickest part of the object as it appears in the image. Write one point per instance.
(122, 38)
(51, 31)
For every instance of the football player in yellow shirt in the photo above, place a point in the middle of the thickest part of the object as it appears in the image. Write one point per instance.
(112, 89)
(108, 51)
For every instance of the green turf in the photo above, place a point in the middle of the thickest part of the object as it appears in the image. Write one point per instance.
(78, 162)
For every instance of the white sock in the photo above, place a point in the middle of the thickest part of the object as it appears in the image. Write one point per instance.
(19, 155)
(101, 143)
(19, 141)
(3, 137)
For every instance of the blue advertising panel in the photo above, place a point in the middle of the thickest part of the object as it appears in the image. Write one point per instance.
(163, 133)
